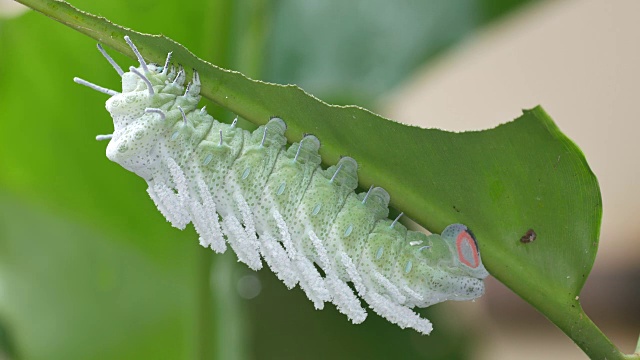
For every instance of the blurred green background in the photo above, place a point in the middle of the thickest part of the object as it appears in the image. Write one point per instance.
(90, 269)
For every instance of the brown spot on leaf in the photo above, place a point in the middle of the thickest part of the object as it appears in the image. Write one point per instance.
(528, 237)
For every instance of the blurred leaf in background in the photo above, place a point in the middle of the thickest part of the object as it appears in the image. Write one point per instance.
(352, 52)
(89, 268)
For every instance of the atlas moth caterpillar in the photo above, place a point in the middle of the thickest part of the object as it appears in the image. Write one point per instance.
(277, 204)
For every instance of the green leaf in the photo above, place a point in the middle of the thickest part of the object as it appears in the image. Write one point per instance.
(501, 182)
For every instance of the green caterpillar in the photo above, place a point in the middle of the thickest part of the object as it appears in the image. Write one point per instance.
(278, 205)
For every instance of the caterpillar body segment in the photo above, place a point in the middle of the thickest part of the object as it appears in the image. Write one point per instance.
(275, 205)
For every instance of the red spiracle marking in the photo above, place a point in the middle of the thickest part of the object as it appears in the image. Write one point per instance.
(463, 238)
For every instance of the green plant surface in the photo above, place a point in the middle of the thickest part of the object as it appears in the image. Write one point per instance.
(501, 182)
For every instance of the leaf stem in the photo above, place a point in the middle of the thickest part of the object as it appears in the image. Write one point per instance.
(574, 322)
(637, 352)
(565, 311)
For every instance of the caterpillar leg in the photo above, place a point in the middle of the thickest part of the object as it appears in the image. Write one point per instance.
(210, 233)
(379, 281)
(391, 289)
(310, 280)
(388, 309)
(413, 297)
(168, 204)
(278, 260)
(398, 314)
(180, 183)
(198, 219)
(242, 239)
(172, 200)
(239, 242)
(153, 194)
(247, 217)
(353, 273)
(341, 294)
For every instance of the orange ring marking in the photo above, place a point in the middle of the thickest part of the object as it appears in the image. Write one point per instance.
(464, 236)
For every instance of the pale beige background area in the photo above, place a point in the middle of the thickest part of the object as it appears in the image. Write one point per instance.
(580, 59)
(10, 8)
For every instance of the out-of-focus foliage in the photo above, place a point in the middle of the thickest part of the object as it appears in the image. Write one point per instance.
(89, 268)
(355, 51)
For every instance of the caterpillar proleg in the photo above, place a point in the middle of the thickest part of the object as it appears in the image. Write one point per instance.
(277, 206)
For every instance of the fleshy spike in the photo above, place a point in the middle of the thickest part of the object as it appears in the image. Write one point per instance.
(203, 110)
(264, 136)
(336, 173)
(104, 137)
(180, 76)
(144, 78)
(172, 73)
(133, 47)
(110, 60)
(196, 77)
(234, 122)
(299, 147)
(194, 86)
(156, 111)
(220, 138)
(396, 220)
(95, 87)
(186, 90)
(165, 69)
(367, 196)
(184, 116)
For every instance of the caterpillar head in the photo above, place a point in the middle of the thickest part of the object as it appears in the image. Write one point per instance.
(152, 104)
(464, 247)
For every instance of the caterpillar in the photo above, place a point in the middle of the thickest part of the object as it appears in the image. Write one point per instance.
(276, 204)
